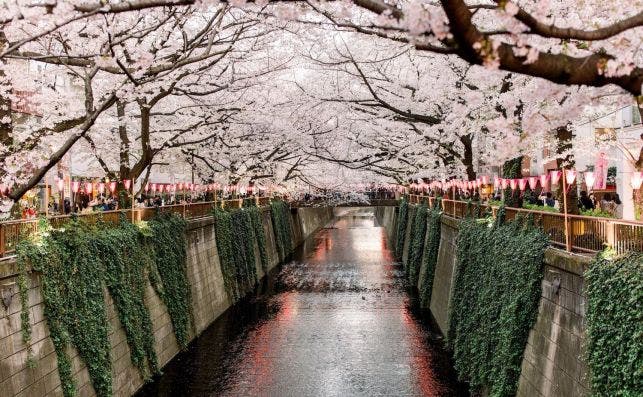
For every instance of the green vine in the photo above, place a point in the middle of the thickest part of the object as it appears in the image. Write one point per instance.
(243, 250)
(615, 325)
(401, 227)
(416, 245)
(411, 218)
(431, 248)
(283, 230)
(124, 260)
(495, 302)
(223, 229)
(169, 271)
(78, 263)
(236, 233)
(260, 234)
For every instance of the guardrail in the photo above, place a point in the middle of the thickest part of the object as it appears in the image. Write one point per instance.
(12, 231)
(586, 233)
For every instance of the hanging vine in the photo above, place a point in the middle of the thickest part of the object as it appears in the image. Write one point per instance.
(260, 234)
(169, 271)
(223, 229)
(283, 230)
(615, 325)
(78, 262)
(431, 248)
(236, 233)
(495, 302)
(402, 219)
(416, 244)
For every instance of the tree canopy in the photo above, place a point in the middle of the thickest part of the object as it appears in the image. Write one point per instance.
(304, 91)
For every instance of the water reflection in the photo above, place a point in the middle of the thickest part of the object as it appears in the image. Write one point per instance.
(336, 321)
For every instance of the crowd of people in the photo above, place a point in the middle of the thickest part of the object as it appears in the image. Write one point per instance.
(609, 203)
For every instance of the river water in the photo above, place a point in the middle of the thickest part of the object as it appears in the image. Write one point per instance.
(337, 320)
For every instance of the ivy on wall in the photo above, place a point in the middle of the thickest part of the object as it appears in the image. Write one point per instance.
(243, 250)
(169, 271)
(78, 263)
(283, 230)
(615, 325)
(411, 222)
(416, 244)
(260, 235)
(431, 248)
(236, 233)
(496, 292)
(223, 230)
(402, 219)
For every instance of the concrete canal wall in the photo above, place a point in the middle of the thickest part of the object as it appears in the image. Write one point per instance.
(209, 300)
(553, 362)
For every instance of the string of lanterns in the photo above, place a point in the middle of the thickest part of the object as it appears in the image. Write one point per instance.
(545, 181)
(169, 188)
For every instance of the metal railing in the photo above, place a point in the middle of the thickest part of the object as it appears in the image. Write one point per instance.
(586, 233)
(11, 232)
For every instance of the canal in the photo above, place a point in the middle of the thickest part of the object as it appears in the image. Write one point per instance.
(337, 320)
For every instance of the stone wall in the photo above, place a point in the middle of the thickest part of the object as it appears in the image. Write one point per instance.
(209, 300)
(387, 218)
(553, 362)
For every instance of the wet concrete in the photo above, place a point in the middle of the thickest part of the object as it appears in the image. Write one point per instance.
(335, 321)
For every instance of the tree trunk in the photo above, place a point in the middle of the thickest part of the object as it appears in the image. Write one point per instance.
(467, 159)
(564, 143)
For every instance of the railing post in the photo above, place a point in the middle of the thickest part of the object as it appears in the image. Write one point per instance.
(610, 234)
(570, 234)
(3, 242)
(185, 207)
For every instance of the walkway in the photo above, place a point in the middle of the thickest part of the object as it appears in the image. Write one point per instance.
(337, 322)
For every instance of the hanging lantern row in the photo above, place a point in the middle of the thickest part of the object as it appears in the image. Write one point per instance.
(553, 178)
(184, 187)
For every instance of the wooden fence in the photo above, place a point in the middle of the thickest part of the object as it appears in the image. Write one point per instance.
(586, 233)
(12, 231)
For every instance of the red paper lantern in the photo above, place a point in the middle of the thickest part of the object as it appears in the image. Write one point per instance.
(88, 187)
(544, 180)
(61, 184)
(533, 182)
(127, 183)
(112, 186)
(513, 183)
(570, 176)
(75, 186)
(522, 184)
(555, 176)
(101, 187)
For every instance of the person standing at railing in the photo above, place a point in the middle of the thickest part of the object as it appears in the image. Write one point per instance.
(618, 211)
(607, 204)
(585, 202)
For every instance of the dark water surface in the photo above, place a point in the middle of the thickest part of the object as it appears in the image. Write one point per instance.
(335, 321)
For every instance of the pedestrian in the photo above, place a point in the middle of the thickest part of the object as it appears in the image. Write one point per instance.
(585, 202)
(549, 200)
(607, 204)
(618, 211)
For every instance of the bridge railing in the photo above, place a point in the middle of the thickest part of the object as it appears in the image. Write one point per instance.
(11, 232)
(586, 233)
